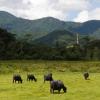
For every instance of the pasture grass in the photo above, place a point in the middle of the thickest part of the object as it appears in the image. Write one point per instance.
(69, 72)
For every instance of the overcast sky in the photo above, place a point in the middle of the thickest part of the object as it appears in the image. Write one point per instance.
(67, 10)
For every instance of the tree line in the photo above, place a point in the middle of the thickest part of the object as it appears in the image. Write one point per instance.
(12, 48)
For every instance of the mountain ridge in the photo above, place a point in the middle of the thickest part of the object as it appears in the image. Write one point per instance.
(41, 27)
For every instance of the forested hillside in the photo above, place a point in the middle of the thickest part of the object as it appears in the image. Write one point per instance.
(12, 48)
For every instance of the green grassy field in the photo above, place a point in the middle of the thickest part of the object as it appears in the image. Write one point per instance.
(69, 72)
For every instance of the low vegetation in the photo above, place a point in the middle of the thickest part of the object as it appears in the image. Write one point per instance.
(39, 66)
(70, 72)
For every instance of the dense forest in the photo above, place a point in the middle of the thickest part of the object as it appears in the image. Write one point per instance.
(12, 48)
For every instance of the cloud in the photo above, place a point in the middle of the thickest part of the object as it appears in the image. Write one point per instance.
(82, 16)
(34, 9)
(71, 5)
(61, 9)
(13, 4)
(95, 14)
(86, 15)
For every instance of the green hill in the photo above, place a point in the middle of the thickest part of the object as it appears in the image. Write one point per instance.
(57, 36)
(35, 28)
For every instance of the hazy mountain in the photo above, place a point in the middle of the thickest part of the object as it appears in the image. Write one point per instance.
(36, 28)
(88, 27)
(39, 28)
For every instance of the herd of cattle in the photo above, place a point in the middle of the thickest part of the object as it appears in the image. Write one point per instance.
(54, 84)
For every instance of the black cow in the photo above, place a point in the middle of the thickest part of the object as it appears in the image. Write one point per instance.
(57, 85)
(17, 78)
(31, 77)
(86, 75)
(48, 77)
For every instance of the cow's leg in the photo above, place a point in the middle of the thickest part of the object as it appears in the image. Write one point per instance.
(27, 79)
(53, 90)
(44, 80)
(85, 78)
(50, 90)
(13, 80)
(59, 90)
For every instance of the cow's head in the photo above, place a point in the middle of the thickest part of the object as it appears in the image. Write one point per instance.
(35, 79)
(64, 89)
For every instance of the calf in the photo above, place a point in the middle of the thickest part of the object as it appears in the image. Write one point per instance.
(86, 75)
(57, 85)
(17, 78)
(48, 77)
(31, 77)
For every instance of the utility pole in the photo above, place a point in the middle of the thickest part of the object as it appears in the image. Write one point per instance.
(77, 38)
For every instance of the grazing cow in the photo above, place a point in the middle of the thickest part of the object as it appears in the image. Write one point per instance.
(86, 75)
(57, 85)
(17, 78)
(48, 77)
(31, 77)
